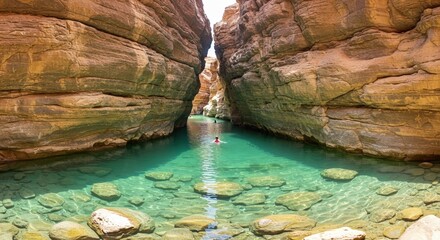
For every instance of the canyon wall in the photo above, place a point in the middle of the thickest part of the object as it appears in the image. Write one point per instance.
(208, 75)
(90, 74)
(363, 76)
(211, 100)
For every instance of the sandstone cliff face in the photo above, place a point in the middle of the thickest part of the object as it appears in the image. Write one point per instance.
(206, 77)
(362, 75)
(218, 104)
(81, 75)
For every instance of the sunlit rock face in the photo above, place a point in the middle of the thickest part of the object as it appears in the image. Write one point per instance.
(211, 100)
(218, 104)
(83, 75)
(363, 76)
(206, 78)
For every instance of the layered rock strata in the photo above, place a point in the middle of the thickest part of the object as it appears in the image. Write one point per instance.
(218, 103)
(363, 76)
(206, 78)
(211, 100)
(82, 75)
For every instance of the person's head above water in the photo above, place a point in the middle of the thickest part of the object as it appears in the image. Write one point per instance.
(216, 139)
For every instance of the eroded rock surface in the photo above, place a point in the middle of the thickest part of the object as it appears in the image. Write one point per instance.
(360, 76)
(83, 75)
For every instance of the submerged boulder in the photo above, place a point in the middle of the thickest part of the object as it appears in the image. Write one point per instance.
(387, 190)
(276, 224)
(219, 189)
(107, 191)
(411, 214)
(51, 200)
(158, 176)
(119, 222)
(196, 223)
(344, 233)
(178, 234)
(266, 181)
(250, 199)
(167, 185)
(68, 230)
(298, 200)
(339, 174)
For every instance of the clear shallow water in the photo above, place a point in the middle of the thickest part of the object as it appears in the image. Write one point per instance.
(192, 157)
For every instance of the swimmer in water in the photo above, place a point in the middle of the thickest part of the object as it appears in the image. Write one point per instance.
(217, 140)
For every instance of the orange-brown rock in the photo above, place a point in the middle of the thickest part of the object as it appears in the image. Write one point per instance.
(82, 75)
(363, 76)
(206, 78)
(218, 104)
(211, 100)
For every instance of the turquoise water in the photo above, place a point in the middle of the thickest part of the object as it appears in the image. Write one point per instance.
(192, 157)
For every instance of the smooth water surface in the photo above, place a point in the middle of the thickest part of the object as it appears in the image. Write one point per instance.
(192, 157)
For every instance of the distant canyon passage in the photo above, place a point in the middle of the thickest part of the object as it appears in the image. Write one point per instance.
(90, 74)
(362, 76)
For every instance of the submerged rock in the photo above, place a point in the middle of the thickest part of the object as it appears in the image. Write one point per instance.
(430, 198)
(20, 223)
(26, 193)
(79, 196)
(427, 228)
(266, 181)
(250, 199)
(159, 176)
(51, 200)
(8, 203)
(411, 214)
(275, 224)
(298, 200)
(394, 231)
(344, 233)
(167, 185)
(426, 165)
(339, 174)
(381, 215)
(220, 189)
(387, 190)
(71, 231)
(8, 231)
(97, 171)
(107, 191)
(196, 223)
(120, 222)
(178, 234)
(136, 200)
(33, 235)
(392, 169)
